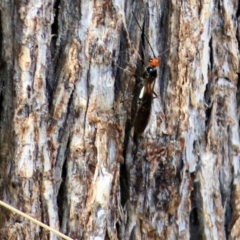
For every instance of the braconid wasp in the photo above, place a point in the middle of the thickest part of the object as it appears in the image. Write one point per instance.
(146, 96)
(147, 93)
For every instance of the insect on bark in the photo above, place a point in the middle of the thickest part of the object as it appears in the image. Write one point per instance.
(146, 96)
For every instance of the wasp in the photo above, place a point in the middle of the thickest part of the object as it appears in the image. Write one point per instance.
(147, 93)
(146, 96)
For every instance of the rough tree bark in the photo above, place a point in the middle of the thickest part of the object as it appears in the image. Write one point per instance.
(68, 153)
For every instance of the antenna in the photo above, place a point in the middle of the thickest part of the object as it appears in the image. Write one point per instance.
(144, 34)
(172, 46)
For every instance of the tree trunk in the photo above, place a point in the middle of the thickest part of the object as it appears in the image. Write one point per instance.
(70, 77)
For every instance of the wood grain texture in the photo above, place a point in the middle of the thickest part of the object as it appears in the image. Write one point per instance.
(68, 97)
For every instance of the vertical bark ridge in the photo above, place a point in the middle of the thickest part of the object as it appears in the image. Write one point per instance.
(68, 153)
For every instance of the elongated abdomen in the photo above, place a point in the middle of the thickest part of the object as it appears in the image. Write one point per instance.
(143, 114)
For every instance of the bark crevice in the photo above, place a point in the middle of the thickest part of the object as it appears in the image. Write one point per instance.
(196, 218)
(62, 193)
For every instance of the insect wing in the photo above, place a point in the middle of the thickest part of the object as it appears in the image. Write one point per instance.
(143, 114)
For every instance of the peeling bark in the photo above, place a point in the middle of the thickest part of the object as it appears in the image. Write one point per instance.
(68, 96)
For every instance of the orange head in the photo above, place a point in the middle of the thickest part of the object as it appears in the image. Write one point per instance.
(153, 62)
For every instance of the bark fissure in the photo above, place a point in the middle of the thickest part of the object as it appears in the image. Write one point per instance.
(68, 152)
(54, 26)
(196, 218)
(61, 199)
